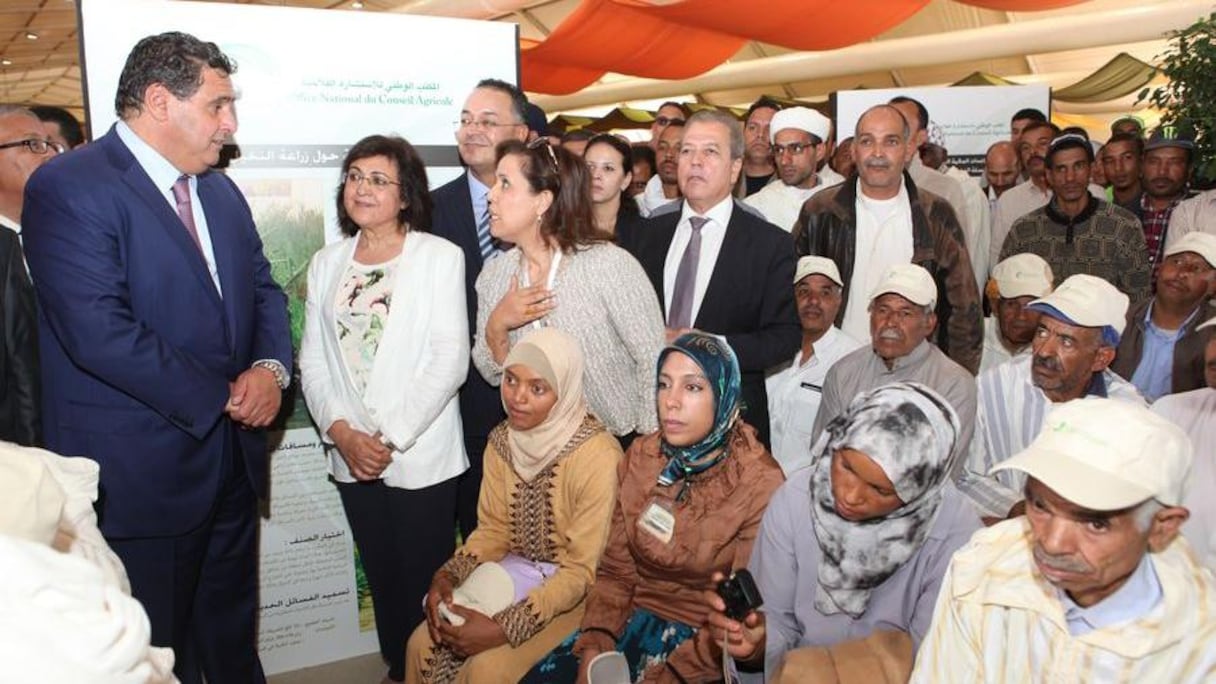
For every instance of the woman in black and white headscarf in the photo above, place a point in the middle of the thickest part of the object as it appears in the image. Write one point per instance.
(885, 520)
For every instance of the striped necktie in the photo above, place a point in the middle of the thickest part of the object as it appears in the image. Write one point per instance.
(484, 240)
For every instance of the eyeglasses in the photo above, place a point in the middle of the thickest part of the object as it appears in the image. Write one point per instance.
(539, 142)
(482, 124)
(664, 121)
(378, 181)
(35, 145)
(793, 148)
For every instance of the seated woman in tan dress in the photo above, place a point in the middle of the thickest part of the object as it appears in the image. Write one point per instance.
(544, 510)
(691, 499)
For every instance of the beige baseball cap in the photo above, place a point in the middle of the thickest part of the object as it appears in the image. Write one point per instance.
(1087, 301)
(1107, 455)
(812, 265)
(800, 118)
(909, 281)
(1023, 275)
(1203, 244)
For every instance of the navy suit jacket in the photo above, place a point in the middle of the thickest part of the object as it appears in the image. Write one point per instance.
(480, 403)
(138, 348)
(749, 299)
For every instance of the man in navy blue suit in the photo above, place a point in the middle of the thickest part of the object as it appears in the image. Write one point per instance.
(165, 348)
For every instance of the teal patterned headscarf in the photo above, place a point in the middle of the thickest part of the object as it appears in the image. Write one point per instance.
(717, 361)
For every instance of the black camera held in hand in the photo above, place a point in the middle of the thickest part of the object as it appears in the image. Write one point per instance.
(740, 594)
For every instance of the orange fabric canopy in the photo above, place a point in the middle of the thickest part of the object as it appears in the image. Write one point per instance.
(683, 39)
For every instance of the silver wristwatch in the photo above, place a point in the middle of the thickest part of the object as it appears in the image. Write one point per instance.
(281, 378)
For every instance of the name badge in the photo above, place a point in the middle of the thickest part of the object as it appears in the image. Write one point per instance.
(658, 520)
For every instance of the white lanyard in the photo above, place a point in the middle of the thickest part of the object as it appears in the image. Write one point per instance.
(550, 281)
(526, 280)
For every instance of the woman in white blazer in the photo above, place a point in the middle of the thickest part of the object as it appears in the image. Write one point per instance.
(386, 346)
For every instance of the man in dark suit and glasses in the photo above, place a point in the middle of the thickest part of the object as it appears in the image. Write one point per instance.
(165, 348)
(493, 112)
(718, 268)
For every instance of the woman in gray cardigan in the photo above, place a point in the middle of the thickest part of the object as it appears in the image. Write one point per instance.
(565, 273)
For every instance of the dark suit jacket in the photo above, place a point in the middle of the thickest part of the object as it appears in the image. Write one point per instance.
(480, 403)
(19, 396)
(138, 348)
(749, 300)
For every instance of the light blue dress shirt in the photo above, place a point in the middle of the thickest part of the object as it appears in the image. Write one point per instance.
(164, 174)
(1154, 377)
(1138, 595)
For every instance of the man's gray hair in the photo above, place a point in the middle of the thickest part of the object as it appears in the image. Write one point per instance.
(6, 109)
(1143, 515)
(732, 124)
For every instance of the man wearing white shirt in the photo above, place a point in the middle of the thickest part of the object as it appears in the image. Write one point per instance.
(946, 187)
(1069, 359)
(797, 135)
(1093, 584)
(663, 188)
(1195, 413)
(1195, 214)
(880, 218)
(719, 269)
(796, 388)
(23, 148)
(1020, 279)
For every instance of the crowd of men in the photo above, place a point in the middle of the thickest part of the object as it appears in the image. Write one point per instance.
(868, 242)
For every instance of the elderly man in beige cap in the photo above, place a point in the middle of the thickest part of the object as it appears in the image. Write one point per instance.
(1019, 280)
(902, 319)
(1195, 413)
(1094, 584)
(1073, 346)
(798, 136)
(1162, 351)
(795, 389)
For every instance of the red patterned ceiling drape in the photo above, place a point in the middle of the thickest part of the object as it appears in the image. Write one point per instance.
(686, 38)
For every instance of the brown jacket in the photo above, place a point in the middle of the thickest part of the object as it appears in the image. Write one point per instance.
(1188, 350)
(827, 225)
(715, 526)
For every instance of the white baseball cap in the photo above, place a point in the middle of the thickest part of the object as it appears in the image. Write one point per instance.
(802, 119)
(812, 265)
(1203, 244)
(1087, 301)
(909, 281)
(1023, 275)
(1107, 455)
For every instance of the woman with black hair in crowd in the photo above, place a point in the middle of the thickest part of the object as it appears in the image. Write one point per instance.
(610, 162)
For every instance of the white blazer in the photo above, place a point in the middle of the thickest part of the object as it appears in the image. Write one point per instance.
(421, 361)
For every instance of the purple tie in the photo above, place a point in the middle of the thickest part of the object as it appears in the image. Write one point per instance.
(185, 209)
(680, 313)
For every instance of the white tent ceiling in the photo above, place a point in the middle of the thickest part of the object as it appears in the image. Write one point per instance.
(39, 63)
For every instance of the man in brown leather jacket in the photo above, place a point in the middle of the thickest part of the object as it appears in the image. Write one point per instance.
(878, 218)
